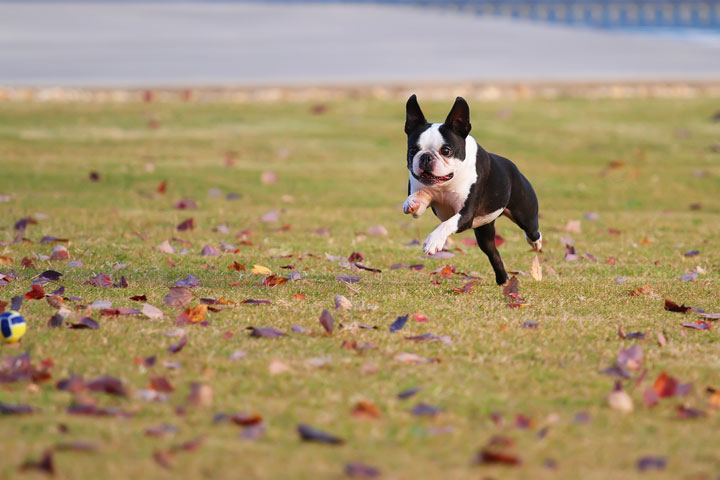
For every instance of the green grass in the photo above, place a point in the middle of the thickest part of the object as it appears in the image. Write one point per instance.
(345, 170)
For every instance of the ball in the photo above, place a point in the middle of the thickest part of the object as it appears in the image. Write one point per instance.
(12, 326)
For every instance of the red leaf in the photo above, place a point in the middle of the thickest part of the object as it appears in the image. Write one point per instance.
(499, 240)
(36, 292)
(665, 386)
(186, 225)
(162, 187)
(139, 298)
(237, 267)
(674, 307)
(161, 384)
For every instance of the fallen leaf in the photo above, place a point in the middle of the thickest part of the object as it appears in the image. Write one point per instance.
(265, 332)
(36, 292)
(273, 281)
(361, 470)
(365, 410)
(178, 297)
(197, 313)
(399, 323)
(650, 463)
(347, 278)
(153, 313)
(310, 434)
(161, 384)
(260, 270)
(425, 410)
(237, 267)
(327, 321)
(85, 322)
(179, 346)
(536, 269)
(46, 464)
(467, 288)
(59, 252)
(674, 307)
(487, 456)
(645, 289)
(408, 393)
(185, 225)
(15, 409)
(665, 386)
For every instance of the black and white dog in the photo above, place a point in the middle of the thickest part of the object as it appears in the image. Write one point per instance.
(465, 186)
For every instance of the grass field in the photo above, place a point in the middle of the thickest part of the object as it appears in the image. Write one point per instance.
(638, 165)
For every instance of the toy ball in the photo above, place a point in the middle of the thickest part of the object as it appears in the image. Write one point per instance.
(12, 326)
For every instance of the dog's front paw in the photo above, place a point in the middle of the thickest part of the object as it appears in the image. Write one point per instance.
(411, 205)
(434, 243)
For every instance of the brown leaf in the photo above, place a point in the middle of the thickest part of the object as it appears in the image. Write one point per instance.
(365, 410)
(467, 288)
(674, 307)
(163, 458)
(46, 464)
(186, 225)
(237, 267)
(446, 271)
(489, 456)
(274, 280)
(327, 321)
(178, 297)
(161, 384)
(5, 260)
(645, 289)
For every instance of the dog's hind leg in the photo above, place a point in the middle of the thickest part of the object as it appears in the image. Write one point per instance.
(485, 236)
(523, 209)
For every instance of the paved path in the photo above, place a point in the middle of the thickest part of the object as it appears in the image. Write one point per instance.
(169, 44)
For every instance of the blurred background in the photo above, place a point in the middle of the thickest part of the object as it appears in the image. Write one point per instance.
(295, 43)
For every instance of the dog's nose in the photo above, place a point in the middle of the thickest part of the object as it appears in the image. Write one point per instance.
(425, 162)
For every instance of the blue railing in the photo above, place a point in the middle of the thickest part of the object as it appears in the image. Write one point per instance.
(701, 14)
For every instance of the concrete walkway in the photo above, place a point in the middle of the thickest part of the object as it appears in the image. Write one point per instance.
(211, 44)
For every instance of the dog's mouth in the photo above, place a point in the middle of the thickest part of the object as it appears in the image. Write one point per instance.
(430, 179)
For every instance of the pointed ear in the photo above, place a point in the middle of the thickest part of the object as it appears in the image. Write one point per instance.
(458, 120)
(414, 117)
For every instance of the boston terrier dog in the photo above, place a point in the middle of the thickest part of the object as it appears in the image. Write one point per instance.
(465, 186)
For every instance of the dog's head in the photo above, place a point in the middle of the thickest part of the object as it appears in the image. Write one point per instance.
(436, 150)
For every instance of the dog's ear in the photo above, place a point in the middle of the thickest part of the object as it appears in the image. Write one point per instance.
(414, 117)
(458, 120)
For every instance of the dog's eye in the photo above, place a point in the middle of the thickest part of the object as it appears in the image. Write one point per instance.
(446, 151)
(412, 151)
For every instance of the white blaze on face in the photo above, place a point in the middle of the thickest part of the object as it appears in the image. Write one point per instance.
(431, 141)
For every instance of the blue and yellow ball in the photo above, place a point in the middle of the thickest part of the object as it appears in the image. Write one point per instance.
(12, 326)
